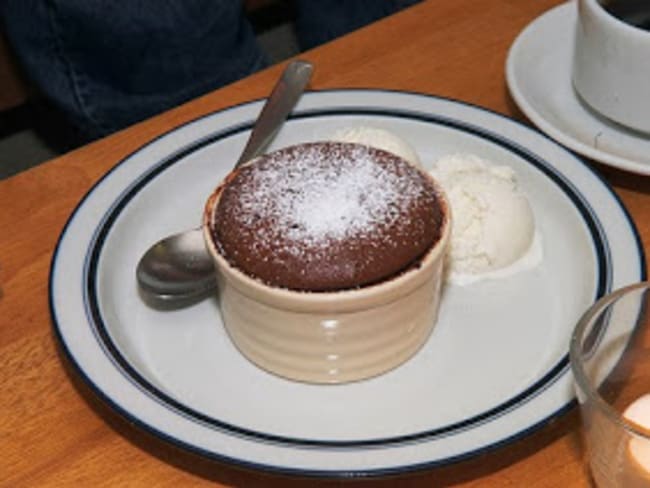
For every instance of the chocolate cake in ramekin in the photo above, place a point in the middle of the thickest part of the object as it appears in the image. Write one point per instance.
(329, 259)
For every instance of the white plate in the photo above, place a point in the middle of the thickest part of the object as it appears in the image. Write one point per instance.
(494, 369)
(538, 73)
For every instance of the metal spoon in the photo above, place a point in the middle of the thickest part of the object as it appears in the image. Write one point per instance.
(178, 269)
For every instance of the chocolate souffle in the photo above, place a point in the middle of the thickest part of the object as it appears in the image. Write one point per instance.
(327, 216)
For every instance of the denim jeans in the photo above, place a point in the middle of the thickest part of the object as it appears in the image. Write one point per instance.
(109, 63)
(320, 21)
(106, 64)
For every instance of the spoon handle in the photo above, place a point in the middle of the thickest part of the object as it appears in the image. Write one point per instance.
(283, 98)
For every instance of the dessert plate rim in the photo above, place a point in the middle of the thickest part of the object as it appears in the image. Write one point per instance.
(354, 101)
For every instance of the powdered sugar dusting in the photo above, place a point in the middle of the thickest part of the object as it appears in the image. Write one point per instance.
(315, 201)
(327, 215)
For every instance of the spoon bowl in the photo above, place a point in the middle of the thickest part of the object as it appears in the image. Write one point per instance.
(176, 268)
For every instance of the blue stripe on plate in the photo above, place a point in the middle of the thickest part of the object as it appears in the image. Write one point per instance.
(94, 313)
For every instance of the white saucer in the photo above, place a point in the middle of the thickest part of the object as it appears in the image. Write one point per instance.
(538, 73)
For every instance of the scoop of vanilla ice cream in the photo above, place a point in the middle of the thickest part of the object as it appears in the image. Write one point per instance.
(492, 222)
(380, 139)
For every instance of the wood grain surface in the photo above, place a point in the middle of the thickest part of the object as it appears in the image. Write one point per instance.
(55, 432)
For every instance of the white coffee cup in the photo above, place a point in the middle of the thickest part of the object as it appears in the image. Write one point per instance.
(611, 67)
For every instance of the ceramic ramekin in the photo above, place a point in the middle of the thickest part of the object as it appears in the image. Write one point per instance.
(330, 337)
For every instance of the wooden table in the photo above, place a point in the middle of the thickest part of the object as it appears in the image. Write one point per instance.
(54, 432)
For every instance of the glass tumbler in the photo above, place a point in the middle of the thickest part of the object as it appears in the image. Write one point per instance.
(610, 359)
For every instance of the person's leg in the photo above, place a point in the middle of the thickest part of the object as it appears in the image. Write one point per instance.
(320, 21)
(109, 63)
